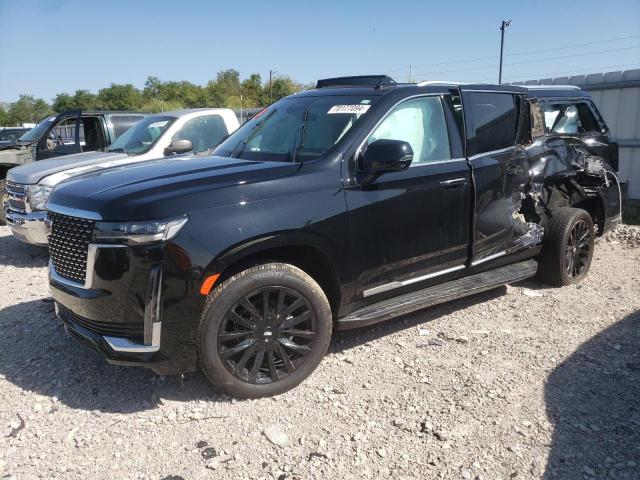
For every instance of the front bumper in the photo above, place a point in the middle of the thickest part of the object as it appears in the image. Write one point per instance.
(28, 227)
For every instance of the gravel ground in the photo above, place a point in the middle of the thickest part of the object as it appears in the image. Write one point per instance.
(522, 382)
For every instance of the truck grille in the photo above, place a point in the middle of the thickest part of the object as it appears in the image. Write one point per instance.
(17, 197)
(125, 330)
(68, 245)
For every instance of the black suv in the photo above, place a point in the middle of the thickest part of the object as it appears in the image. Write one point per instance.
(338, 207)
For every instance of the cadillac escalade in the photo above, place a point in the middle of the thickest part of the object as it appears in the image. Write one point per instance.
(335, 208)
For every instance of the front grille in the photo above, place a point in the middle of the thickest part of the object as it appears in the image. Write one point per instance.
(121, 330)
(17, 197)
(68, 245)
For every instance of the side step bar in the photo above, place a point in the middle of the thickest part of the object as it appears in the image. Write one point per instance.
(445, 292)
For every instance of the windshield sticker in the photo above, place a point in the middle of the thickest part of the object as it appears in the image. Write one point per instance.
(158, 124)
(357, 109)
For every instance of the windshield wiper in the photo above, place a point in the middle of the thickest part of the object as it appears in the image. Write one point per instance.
(118, 150)
(300, 139)
(254, 130)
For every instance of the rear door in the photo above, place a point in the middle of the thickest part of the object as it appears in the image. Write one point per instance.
(412, 226)
(500, 170)
(63, 136)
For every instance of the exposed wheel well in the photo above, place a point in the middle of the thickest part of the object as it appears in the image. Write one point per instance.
(311, 260)
(595, 208)
(3, 171)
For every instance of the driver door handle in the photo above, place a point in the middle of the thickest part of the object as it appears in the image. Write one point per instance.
(453, 183)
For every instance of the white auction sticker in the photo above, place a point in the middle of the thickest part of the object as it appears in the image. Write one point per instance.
(349, 109)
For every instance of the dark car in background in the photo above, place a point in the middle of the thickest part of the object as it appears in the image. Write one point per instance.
(334, 208)
(73, 131)
(9, 136)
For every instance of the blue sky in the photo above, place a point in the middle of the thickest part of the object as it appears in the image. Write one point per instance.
(52, 46)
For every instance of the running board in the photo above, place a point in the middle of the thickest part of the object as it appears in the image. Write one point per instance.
(444, 292)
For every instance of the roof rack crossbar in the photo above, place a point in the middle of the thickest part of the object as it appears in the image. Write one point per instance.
(375, 81)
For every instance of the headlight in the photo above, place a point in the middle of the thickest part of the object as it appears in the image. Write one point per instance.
(138, 233)
(38, 195)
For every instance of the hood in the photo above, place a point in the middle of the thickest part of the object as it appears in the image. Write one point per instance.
(164, 188)
(32, 173)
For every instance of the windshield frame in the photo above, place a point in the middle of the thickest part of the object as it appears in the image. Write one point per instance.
(39, 130)
(235, 146)
(146, 121)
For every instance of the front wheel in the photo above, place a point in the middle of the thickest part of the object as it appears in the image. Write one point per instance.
(264, 330)
(567, 248)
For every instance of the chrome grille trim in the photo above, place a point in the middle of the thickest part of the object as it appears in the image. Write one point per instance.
(69, 245)
(18, 196)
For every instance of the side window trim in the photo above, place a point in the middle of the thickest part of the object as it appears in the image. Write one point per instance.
(392, 108)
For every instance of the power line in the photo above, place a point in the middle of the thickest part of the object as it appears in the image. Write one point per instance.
(493, 57)
(535, 76)
(536, 61)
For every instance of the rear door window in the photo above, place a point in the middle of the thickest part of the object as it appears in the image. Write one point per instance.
(492, 121)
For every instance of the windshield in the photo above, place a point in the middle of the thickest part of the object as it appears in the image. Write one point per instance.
(36, 132)
(296, 128)
(142, 136)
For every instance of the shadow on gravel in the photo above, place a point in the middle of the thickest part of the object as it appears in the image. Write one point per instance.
(593, 398)
(18, 254)
(352, 338)
(38, 356)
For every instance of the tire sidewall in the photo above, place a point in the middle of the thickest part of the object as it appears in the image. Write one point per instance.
(228, 293)
(579, 215)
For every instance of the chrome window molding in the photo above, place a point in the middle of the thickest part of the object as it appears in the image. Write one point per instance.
(73, 212)
(393, 285)
(492, 152)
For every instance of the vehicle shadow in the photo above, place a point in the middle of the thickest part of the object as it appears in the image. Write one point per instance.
(15, 253)
(593, 399)
(344, 340)
(37, 355)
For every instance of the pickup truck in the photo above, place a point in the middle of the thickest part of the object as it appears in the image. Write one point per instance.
(165, 134)
(72, 131)
(335, 208)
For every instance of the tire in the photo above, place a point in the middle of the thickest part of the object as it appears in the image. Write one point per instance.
(567, 247)
(3, 192)
(232, 333)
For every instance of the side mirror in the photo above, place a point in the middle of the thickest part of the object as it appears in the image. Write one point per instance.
(178, 146)
(384, 156)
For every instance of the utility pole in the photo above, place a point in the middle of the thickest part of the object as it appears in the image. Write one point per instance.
(409, 73)
(271, 75)
(503, 27)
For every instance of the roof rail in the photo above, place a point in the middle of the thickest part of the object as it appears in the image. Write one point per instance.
(375, 81)
(437, 82)
(550, 87)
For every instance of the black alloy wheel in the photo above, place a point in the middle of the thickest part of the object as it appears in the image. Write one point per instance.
(578, 250)
(264, 330)
(266, 335)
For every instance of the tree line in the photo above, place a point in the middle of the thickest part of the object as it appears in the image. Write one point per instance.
(226, 90)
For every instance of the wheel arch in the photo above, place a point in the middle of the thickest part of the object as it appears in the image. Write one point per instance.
(308, 252)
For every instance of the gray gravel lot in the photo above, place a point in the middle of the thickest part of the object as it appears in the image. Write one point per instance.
(526, 381)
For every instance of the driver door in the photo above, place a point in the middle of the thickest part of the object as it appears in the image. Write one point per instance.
(63, 136)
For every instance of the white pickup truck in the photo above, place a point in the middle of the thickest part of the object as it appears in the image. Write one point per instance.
(171, 133)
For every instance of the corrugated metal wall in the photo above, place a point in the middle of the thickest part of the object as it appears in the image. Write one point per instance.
(617, 96)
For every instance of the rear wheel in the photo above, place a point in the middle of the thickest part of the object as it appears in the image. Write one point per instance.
(567, 247)
(264, 330)
(3, 193)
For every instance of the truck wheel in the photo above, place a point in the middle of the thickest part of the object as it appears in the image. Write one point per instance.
(3, 192)
(264, 330)
(567, 247)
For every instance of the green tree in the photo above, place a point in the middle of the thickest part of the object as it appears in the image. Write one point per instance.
(120, 97)
(4, 116)
(157, 105)
(282, 86)
(62, 102)
(85, 100)
(252, 93)
(28, 110)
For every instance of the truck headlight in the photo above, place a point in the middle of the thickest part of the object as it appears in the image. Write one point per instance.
(38, 195)
(139, 233)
